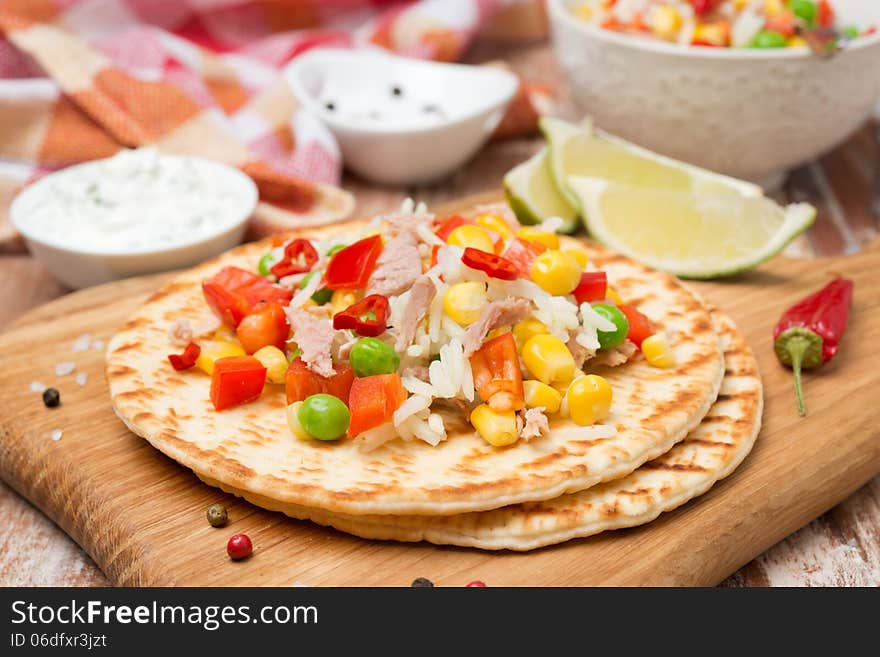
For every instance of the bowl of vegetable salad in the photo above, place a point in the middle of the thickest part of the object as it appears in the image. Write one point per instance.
(730, 85)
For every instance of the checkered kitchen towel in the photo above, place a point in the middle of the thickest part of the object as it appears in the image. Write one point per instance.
(80, 79)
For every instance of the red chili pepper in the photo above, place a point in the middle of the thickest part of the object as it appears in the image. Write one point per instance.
(639, 326)
(367, 317)
(493, 265)
(810, 331)
(593, 287)
(299, 257)
(350, 268)
(521, 253)
(450, 225)
(187, 359)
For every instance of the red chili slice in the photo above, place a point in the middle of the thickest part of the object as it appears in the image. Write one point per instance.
(493, 265)
(350, 268)
(367, 317)
(187, 359)
(299, 257)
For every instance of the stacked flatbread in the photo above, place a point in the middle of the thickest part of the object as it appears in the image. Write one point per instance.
(671, 435)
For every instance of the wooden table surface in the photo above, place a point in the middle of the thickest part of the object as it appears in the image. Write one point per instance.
(841, 548)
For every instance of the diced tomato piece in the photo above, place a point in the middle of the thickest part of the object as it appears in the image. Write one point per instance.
(521, 253)
(450, 224)
(497, 375)
(373, 400)
(187, 359)
(593, 287)
(232, 293)
(639, 325)
(301, 382)
(236, 380)
(265, 325)
(350, 268)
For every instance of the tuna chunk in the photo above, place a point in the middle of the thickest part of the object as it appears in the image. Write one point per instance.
(534, 423)
(314, 336)
(578, 351)
(420, 297)
(497, 313)
(398, 266)
(617, 356)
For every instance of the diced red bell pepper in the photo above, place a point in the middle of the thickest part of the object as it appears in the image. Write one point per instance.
(639, 325)
(521, 253)
(350, 268)
(236, 380)
(187, 359)
(434, 251)
(300, 382)
(593, 287)
(232, 293)
(299, 257)
(265, 325)
(373, 400)
(497, 375)
(450, 224)
(493, 265)
(367, 317)
(825, 16)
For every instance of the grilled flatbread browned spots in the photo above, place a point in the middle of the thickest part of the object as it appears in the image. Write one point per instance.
(250, 449)
(709, 453)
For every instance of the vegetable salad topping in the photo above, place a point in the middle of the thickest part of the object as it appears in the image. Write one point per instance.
(719, 23)
(375, 337)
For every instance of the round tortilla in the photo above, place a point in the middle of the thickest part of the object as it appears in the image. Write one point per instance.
(250, 448)
(709, 453)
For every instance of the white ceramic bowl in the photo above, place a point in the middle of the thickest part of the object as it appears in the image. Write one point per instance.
(745, 112)
(438, 117)
(84, 266)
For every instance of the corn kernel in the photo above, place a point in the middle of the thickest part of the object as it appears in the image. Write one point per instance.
(293, 421)
(533, 234)
(473, 237)
(275, 362)
(496, 224)
(497, 428)
(665, 22)
(556, 272)
(582, 259)
(584, 11)
(796, 41)
(657, 350)
(342, 299)
(589, 399)
(540, 394)
(773, 8)
(548, 359)
(213, 350)
(528, 328)
(714, 34)
(614, 296)
(464, 302)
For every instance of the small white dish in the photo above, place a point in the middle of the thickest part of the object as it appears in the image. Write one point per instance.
(398, 120)
(84, 246)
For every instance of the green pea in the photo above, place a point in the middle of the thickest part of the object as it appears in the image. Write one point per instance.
(266, 263)
(769, 39)
(851, 31)
(335, 249)
(320, 297)
(805, 9)
(324, 417)
(371, 356)
(610, 339)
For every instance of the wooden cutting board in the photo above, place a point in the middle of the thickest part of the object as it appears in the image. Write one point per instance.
(142, 517)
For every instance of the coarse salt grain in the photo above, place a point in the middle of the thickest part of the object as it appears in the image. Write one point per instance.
(82, 343)
(63, 369)
(56, 434)
(81, 378)
(36, 386)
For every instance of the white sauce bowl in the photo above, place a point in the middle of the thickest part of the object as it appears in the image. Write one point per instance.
(746, 112)
(85, 262)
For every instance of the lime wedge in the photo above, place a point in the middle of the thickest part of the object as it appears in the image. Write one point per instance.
(581, 150)
(691, 233)
(533, 195)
